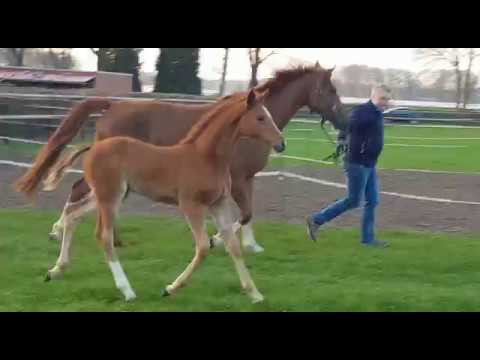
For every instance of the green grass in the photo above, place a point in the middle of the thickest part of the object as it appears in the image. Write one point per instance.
(420, 272)
(305, 144)
(17, 149)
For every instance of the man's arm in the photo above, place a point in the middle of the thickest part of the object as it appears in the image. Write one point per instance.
(342, 141)
(357, 125)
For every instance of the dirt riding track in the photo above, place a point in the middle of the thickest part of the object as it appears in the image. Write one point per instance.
(290, 199)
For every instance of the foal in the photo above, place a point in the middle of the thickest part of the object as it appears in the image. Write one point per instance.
(194, 174)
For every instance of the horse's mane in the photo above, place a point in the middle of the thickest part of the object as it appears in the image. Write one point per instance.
(222, 105)
(280, 79)
(283, 77)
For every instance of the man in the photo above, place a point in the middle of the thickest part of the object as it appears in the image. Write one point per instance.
(364, 143)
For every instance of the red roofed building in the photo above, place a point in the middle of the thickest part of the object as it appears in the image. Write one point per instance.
(91, 82)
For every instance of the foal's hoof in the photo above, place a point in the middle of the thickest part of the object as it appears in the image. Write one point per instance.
(215, 241)
(53, 274)
(53, 237)
(130, 296)
(118, 244)
(211, 242)
(165, 293)
(257, 299)
(254, 248)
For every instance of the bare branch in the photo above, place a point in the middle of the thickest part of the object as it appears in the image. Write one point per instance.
(267, 56)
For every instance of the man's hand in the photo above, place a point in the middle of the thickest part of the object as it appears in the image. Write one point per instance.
(341, 143)
(341, 147)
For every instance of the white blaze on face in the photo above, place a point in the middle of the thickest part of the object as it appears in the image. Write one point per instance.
(267, 112)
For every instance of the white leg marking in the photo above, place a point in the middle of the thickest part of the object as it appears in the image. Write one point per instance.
(248, 239)
(57, 228)
(221, 213)
(69, 224)
(236, 226)
(121, 280)
(247, 281)
(218, 239)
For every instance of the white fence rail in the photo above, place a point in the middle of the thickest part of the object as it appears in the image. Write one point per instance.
(30, 119)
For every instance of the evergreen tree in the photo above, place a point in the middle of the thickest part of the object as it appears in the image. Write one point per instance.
(127, 61)
(122, 60)
(177, 71)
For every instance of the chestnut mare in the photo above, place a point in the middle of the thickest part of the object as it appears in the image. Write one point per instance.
(194, 174)
(165, 124)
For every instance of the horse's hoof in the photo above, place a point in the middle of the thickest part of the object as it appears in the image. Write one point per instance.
(211, 242)
(216, 241)
(130, 297)
(165, 293)
(254, 248)
(257, 299)
(47, 277)
(53, 237)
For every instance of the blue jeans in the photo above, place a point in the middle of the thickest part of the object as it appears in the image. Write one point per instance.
(362, 184)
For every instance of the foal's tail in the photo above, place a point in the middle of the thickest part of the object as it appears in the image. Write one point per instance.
(50, 152)
(58, 171)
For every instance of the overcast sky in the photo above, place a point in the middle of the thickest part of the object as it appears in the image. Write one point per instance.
(238, 67)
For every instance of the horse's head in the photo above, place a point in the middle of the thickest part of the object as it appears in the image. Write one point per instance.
(257, 122)
(323, 98)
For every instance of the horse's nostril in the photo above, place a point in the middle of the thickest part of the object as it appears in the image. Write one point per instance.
(280, 147)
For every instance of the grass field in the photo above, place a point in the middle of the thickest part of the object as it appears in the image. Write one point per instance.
(420, 272)
(440, 149)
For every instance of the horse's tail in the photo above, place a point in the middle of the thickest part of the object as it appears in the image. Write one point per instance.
(50, 152)
(58, 171)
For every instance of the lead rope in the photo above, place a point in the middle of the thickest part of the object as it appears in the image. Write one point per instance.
(338, 150)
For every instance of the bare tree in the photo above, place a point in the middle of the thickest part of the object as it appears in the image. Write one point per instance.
(105, 58)
(256, 59)
(224, 72)
(13, 56)
(472, 54)
(56, 58)
(442, 84)
(444, 56)
(355, 78)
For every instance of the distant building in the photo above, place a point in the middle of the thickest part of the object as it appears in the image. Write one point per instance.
(83, 82)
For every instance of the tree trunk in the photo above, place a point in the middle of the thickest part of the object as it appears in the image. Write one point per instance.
(253, 79)
(224, 72)
(458, 95)
(255, 62)
(20, 53)
(17, 55)
(467, 87)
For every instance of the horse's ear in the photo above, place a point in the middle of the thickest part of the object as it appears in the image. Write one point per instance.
(331, 70)
(252, 98)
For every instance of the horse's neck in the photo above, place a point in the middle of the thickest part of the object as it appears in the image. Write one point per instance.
(284, 104)
(218, 141)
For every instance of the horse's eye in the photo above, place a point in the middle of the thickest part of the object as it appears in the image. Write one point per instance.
(261, 118)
